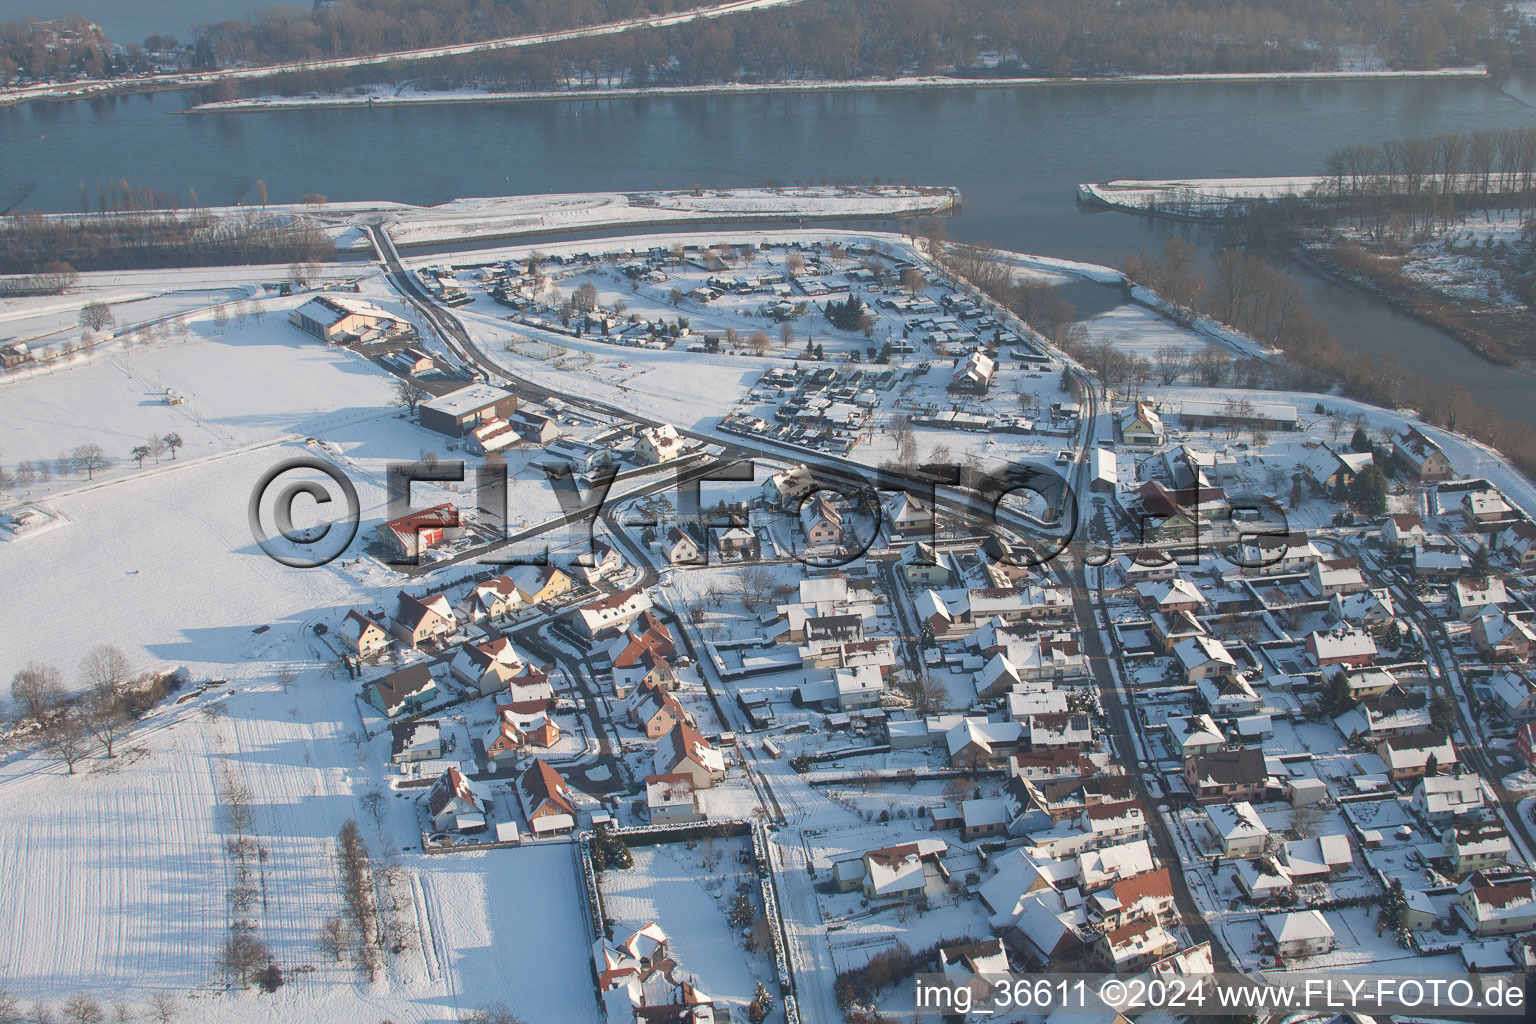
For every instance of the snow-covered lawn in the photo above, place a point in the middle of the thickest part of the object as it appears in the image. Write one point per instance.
(675, 887)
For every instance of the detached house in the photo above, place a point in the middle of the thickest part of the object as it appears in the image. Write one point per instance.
(671, 798)
(456, 804)
(1405, 530)
(424, 620)
(1227, 776)
(681, 548)
(1420, 458)
(1141, 425)
(682, 751)
(1302, 934)
(1202, 657)
(403, 692)
(1237, 828)
(655, 711)
(1134, 946)
(514, 732)
(909, 517)
(547, 799)
(610, 615)
(486, 668)
(1342, 645)
(1496, 906)
(822, 521)
(1475, 846)
(1515, 696)
(364, 635)
(1411, 755)
(655, 445)
(1501, 636)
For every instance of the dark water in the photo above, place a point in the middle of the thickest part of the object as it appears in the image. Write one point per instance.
(1016, 154)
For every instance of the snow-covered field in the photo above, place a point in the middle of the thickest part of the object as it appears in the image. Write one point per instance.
(1137, 330)
(524, 215)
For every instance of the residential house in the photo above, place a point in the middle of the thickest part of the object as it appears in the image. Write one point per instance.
(1471, 596)
(671, 798)
(365, 635)
(547, 799)
(1371, 609)
(1141, 425)
(1503, 636)
(1176, 595)
(402, 692)
(425, 620)
(1203, 657)
(908, 517)
(514, 732)
(822, 521)
(1405, 530)
(1442, 799)
(1484, 508)
(655, 711)
(1341, 645)
(786, 487)
(681, 548)
(898, 872)
(1475, 846)
(655, 445)
(455, 804)
(1301, 934)
(495, 598)
(486, 668)
(683, 751)
(1237, 829)
(1420, 458)
(1411, 755)
(539, 584)
(1134, 946)
(1227, 776)
(973, 374)
(1496, 906)
(1196, 734)
(611, 615)
(421, 740)
(1515, 697)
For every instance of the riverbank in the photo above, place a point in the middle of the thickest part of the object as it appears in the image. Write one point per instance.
(1489, 326)
(901, 84)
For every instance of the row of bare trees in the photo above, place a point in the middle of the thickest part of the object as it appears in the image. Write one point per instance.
(66, 725)
(1434, 178)
(84, 1008)
(30, 242)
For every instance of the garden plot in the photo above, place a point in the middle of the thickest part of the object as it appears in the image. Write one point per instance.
(688, 893)
(510, 925)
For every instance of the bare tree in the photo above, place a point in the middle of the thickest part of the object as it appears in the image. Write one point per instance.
(913, 280)
(40, 1014)
(64, 736)
(80, 1008)
(37, 690)
(1172, 362)
(96, 316)
(105, 667)
(336, 938)
(760, 343)
(163, 1009)
(10, 1008)
(88, 458)
(242, 954)
(409, 394)
(172, 442)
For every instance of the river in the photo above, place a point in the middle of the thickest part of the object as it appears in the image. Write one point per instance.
(1016, 153)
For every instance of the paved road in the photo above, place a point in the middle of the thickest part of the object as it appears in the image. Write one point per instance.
(1119, 714)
